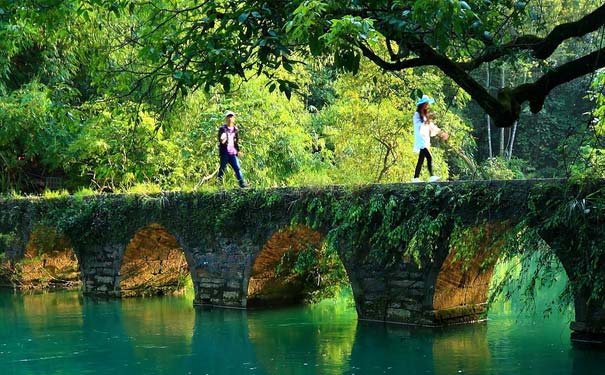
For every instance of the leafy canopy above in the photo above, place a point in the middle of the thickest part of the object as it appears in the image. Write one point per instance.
(186, 45)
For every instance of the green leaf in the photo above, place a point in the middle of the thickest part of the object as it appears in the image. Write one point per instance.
(243, 17)
(464, 5)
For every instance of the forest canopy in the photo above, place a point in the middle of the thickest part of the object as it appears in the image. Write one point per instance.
(125, 94)
(199, 44)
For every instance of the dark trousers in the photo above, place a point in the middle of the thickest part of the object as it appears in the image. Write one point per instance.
(424, 153)
(234, 163)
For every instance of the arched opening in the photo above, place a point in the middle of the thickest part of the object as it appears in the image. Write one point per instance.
(462, 284)
(49, 262)
(153, 264)
(498, 263)
(531, 282)
(295, 266)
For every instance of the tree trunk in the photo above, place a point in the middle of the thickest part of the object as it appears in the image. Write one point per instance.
(512, 141)
(489, 120)
(502, 129)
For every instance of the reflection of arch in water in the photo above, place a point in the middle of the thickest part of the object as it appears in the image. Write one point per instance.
(159, 326)
(392, 349)
(294, 265)
(464, 280)
(42, 310)
(153, 264)
(220, 343)
(49, 261)
(461, 347)
(34, 326)
(324, 333)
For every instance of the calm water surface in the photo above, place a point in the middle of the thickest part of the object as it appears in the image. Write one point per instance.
(63, 333)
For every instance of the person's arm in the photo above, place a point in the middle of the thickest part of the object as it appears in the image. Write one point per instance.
(222, 135)
(436, 131)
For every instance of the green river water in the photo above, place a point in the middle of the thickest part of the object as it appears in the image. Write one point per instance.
(64, 333)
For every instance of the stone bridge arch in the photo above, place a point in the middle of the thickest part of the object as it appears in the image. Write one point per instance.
(223, 258)
(48, 260)
(462, 280)
(153, 263)
(589, 303)
(139, 247)
(451, 287)
(272, 281)
(462, 283)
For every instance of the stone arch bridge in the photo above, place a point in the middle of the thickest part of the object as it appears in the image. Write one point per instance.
(405, 247)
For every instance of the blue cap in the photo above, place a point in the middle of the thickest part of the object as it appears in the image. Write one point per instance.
(425, 99)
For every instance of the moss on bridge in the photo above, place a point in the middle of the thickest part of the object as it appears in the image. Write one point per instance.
(393, 239)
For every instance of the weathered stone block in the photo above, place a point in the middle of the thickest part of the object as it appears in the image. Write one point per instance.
(415, 292)
(407, 284)
(398, 315)
(231, 296)
(414, 307)
(234, 284)
(373, 285)
(209, 285)
(459, 314)
(104, 279)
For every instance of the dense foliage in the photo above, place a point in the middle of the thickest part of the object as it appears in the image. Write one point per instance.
(104, 95)
(182, 45)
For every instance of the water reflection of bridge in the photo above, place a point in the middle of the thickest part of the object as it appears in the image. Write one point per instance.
(399, 243)
(65, 333)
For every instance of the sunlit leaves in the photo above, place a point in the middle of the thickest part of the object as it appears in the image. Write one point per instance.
(306, 20)
(591, 160)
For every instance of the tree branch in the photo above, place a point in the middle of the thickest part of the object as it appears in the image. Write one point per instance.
(391, 66)
(503, 114)
(542, 48)
(506, 108)
(537, 92)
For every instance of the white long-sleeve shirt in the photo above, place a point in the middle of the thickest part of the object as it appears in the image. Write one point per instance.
(423, 131)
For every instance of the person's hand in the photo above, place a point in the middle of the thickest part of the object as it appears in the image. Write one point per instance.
(240, 154)
(223, 137)
(444, 136)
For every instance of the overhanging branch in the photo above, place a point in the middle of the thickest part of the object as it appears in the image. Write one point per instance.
(542, 48)
(391, 66)
(503, 114)
(536, 92)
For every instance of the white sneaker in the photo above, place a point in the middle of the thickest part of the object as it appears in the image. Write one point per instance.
(434, 178)
(416, 180)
